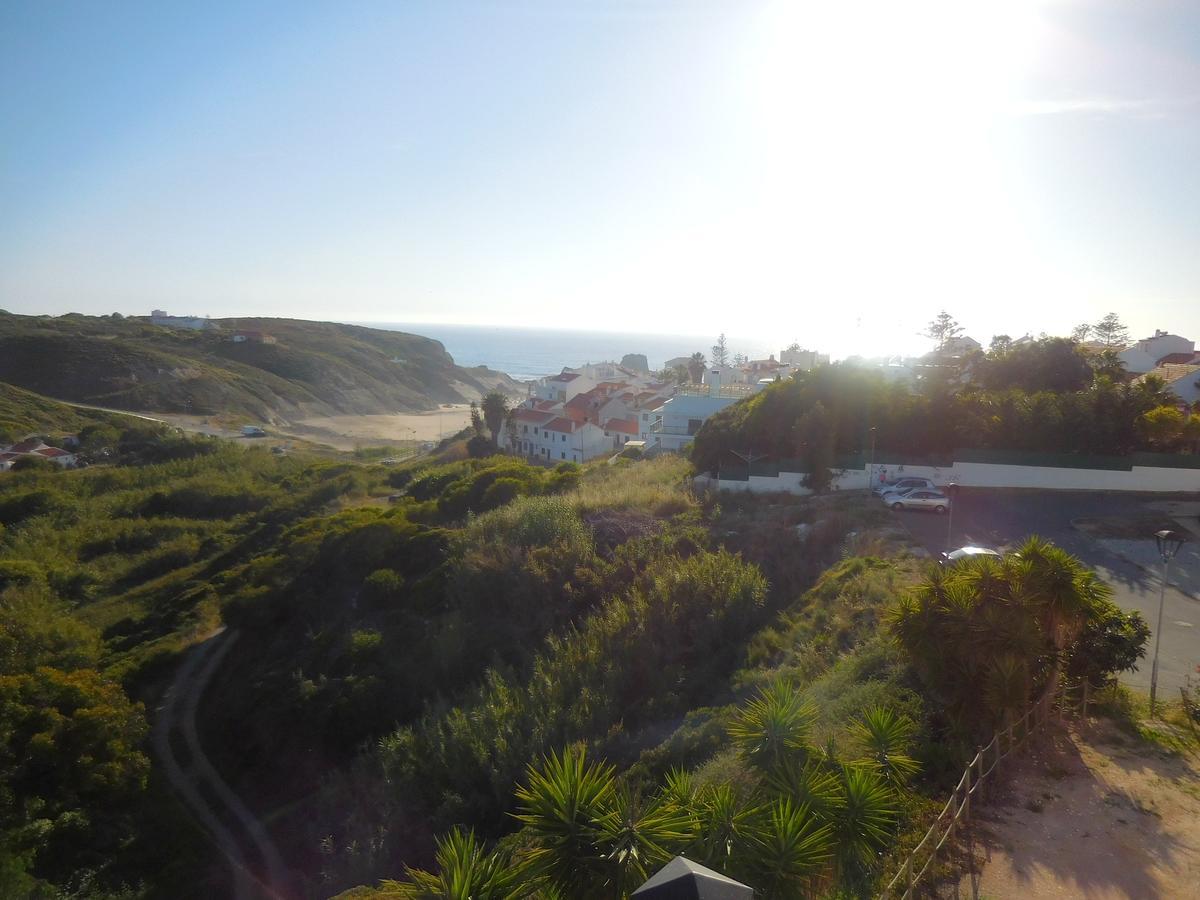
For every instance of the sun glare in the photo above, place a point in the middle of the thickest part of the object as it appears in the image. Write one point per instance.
(881, 181)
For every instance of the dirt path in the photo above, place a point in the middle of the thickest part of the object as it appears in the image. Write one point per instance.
(198, 784)
(1095, 814)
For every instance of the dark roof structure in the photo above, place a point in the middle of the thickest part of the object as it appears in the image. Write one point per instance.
(682, 879)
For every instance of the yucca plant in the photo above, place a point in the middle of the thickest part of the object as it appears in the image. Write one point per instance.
(773, 727)
(561, 808)
(724, 825)
(813, 785)
(638, 835)
(866, 819)
(884, 738)
(788, 849)
(465, 872)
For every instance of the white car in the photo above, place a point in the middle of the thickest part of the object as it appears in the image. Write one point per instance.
(966, 553)
(904, 484)
(919, 499)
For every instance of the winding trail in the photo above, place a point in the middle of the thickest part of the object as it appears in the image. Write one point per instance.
(195, 780)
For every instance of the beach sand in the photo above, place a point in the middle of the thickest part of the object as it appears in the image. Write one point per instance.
(347, 432)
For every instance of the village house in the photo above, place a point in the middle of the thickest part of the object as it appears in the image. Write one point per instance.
(1148, 353)
(554, 438)
(1182, 380)
(37, 448)
(674, 424)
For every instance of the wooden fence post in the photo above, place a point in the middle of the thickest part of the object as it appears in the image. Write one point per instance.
(966, 804)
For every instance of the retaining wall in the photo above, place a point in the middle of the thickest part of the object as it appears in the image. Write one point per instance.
(1171, 479)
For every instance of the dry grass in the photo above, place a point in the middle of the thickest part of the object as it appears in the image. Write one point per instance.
(658, 486)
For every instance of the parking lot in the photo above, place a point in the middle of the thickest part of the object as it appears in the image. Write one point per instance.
(1002, 518)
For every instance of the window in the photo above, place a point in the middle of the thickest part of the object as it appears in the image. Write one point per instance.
(694, 425)
(564, 437)
(563, 454)
(526, 427)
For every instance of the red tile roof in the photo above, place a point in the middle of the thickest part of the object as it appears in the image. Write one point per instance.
(560, 424)
(1176, 358)
(565, 376)
(52, 452)
(545, 404)
(583, 401)
(624, 426)
(26, 446)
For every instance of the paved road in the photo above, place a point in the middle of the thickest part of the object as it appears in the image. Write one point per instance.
(1003, 518)
(198, 784)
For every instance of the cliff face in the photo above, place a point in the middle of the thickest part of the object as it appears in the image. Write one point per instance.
(311, 369)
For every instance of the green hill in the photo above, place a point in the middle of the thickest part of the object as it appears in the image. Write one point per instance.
(23, 412)
(312, 368)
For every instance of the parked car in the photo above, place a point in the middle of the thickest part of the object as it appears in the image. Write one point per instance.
(904, 484)
(965, 553)
(919, 499)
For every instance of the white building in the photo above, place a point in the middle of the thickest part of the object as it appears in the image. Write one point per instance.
(554, 438)
(191, 323)
(561, 387)
(803, 360)
(673, 425)
(1147, 353)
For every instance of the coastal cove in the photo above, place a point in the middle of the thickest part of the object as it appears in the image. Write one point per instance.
(528, 353)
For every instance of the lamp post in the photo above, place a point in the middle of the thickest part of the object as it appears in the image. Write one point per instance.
(871, 467)
(1168, 545)
(952, 493)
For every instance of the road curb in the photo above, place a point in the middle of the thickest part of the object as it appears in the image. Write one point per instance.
(1149, 570)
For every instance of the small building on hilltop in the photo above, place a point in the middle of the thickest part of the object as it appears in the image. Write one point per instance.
(189, 323)
(257, 337)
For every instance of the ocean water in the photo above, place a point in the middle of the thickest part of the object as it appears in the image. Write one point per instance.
(526, 353)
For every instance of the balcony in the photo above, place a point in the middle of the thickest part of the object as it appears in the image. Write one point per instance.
(660, 428)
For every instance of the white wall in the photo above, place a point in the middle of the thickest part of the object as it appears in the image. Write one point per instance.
(1139, 478)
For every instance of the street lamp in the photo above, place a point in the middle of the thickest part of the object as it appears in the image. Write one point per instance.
(871, 468)
(951, 492)
(1169, 543)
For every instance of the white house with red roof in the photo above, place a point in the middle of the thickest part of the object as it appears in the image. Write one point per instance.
(38, 448)
(554, 438)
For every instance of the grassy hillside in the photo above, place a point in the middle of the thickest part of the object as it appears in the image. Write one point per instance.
(23, 412)
(314, 368)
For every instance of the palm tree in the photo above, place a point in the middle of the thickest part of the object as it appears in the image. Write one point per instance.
(695, 366)
(495, 408)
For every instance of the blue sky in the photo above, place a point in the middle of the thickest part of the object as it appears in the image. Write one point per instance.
(835, 173)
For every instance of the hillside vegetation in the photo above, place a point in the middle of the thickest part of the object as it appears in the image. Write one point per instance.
(313, 369)
(479, 677)
(1047, 397)
(23, 412)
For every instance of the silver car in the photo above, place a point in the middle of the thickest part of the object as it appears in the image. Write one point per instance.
(921, 499)
(901, 485)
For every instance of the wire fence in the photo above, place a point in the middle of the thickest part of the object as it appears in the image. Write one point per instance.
(921, 864)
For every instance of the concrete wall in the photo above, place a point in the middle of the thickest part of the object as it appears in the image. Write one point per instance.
(970, 474)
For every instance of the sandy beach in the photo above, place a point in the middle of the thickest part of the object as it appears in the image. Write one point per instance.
(346, 432)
